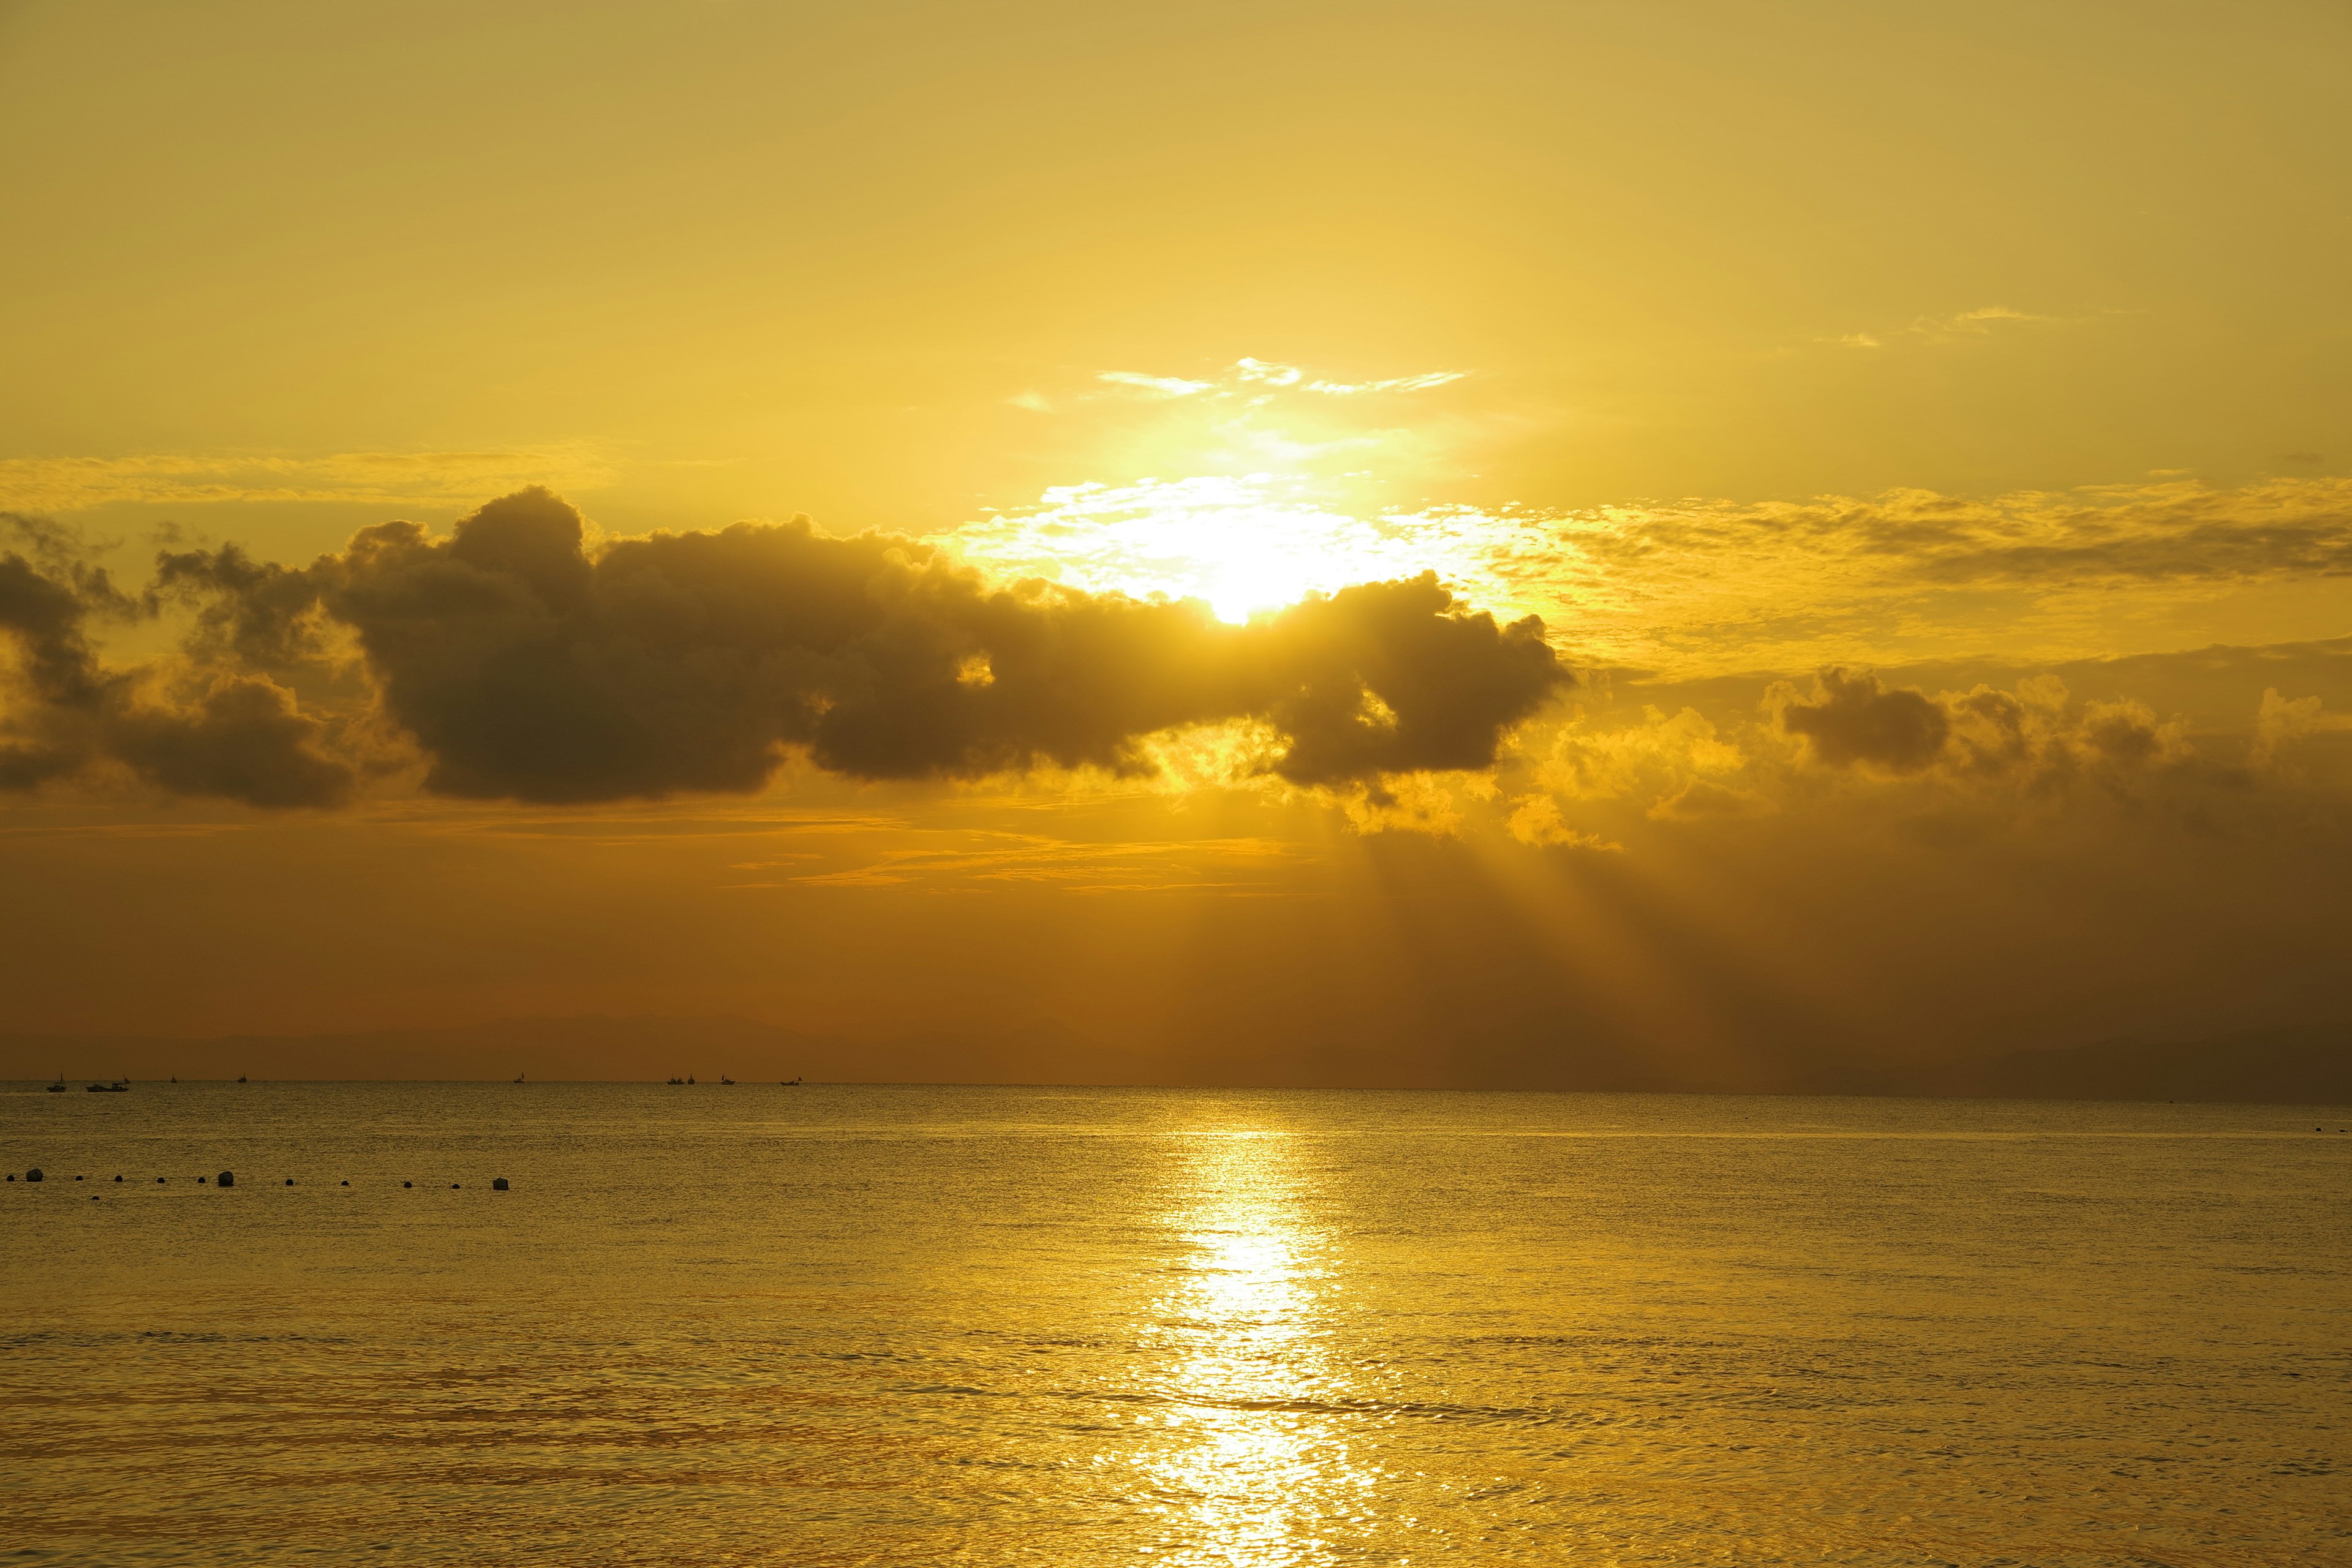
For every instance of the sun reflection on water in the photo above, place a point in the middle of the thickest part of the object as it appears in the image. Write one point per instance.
(1252, 1466)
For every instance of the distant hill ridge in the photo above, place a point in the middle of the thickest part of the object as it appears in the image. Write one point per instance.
(2308, 1065)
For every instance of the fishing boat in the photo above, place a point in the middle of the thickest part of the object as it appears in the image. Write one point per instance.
(678, 1081)
(724, 1079)
(120, 1086)
(59, 1087)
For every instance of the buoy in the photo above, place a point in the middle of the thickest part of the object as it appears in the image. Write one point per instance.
(228, 1178)
(77, 1178)
(118, 1178)
(159, 1181)
(347, 1184)
(499, 1185)
(34, 1175)
(408, 1183)
(200, 1181)
(12, 1175)
(453, 1186)
(289, 1181)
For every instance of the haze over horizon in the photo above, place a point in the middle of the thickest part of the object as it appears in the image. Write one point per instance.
(1514, 546)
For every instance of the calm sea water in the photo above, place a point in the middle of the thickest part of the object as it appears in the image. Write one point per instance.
(895, 1325)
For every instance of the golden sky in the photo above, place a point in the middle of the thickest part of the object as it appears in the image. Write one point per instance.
(1482, 543)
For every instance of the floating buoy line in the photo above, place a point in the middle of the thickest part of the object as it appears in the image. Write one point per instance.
(35, 1174)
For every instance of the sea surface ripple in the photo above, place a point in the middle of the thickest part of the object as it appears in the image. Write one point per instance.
(856, 1325)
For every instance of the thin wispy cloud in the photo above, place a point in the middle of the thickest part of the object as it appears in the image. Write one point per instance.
(420, 478)
(1257, 378)
(1975, 324)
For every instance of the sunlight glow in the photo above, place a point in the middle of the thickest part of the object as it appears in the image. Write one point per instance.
(1245, 544)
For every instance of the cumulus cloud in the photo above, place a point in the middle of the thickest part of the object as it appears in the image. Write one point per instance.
(525, 665)
(2034, 733)
(217, 734)
(2281, 722)
(1854, 720)
(1860, 743)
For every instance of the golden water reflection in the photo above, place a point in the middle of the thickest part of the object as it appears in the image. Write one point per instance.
(1252, 1463)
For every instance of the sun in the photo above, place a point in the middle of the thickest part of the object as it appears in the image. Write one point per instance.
(1282, 465)
(1244, 544)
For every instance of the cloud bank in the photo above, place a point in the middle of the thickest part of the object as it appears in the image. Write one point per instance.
(521, 662)
(210, 733)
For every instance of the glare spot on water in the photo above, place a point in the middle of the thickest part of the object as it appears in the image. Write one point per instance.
(1251, 1462)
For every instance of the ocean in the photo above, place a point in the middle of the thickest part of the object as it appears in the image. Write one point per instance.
(858, 1325)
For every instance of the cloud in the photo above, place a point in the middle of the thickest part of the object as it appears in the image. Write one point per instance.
(1270, 373)
(524, 664)
(1394, 383)
(2281, 724)
(2032, 735)
(1536, 821)
(1699, 801)
(71, 484)
(1704, 586)
(1854, 720)
(1977, 321)
(1166, 385)
(1260, 376)
(2021, 751)
(1225, 864)
(1938, 329)
(2164, 534)
(223, 734)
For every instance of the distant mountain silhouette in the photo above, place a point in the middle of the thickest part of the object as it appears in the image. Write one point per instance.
(2303, 1065)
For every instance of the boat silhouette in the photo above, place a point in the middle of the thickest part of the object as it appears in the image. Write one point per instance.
(120, 1086)
(59, 1087)
(724, 1079)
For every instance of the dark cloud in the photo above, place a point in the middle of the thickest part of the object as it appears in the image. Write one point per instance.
(526, 665)
(236, 737)
(1855, 719)
(2032, 736)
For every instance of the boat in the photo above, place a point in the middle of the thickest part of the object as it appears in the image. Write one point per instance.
(678, 1081)
(240, 1078)
(120, 1086)
(724, 1079)
(518, 1078)
(59, 1087)
(788, 1082)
